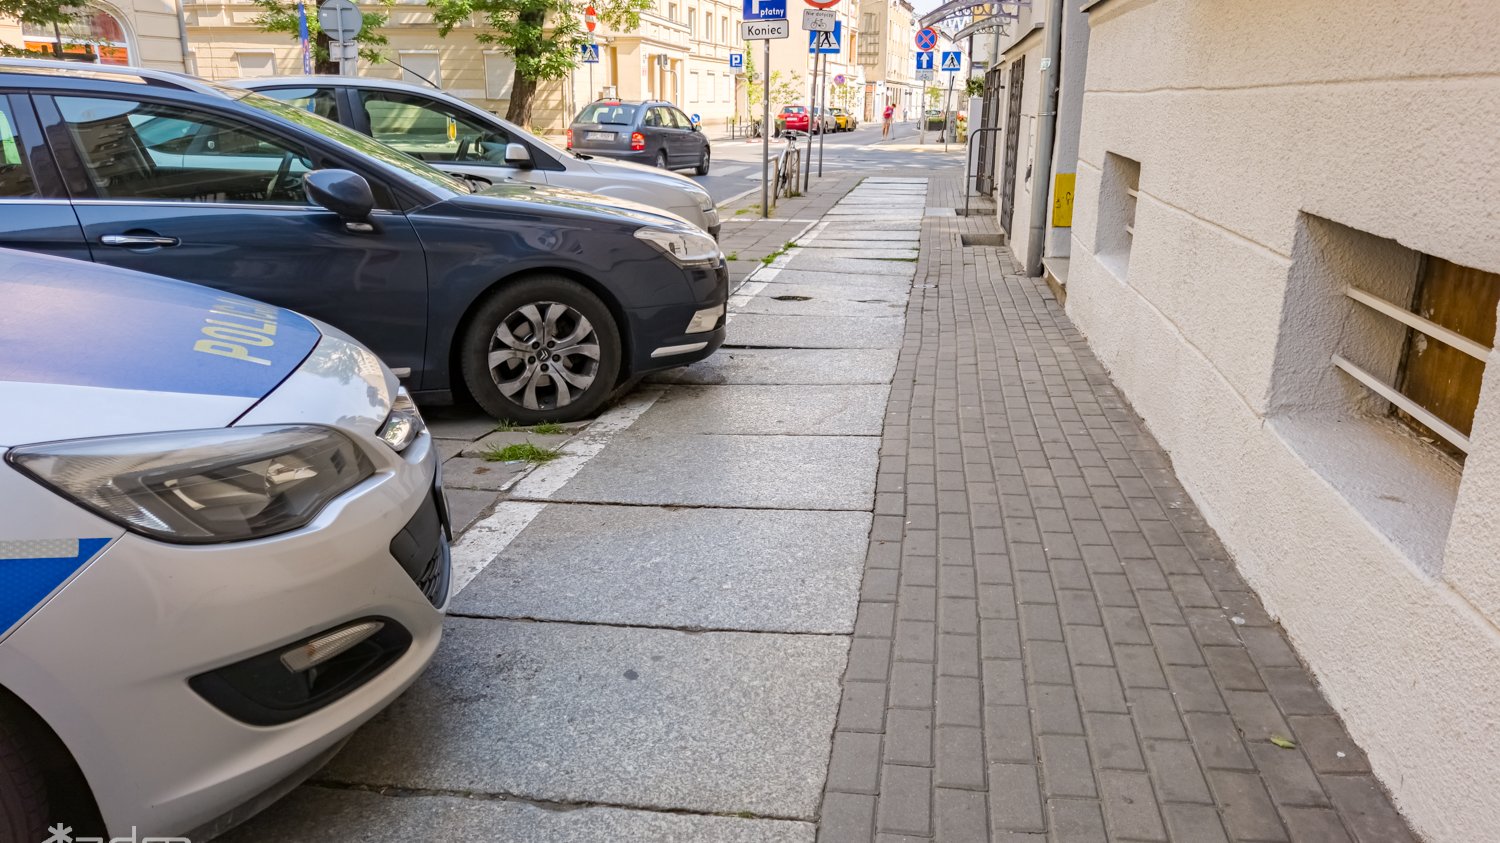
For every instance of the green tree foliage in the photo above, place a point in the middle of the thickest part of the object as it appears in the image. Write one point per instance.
(785, 89)
(281, 16)
(974, 87)
(47, 13)
(541, 36)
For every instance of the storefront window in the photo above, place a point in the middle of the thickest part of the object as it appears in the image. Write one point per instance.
(95, 36)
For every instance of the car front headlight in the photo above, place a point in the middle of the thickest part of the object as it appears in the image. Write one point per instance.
(404, 424)
(687, 248)
(203, 486)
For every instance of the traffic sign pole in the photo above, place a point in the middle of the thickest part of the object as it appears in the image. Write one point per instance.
(823, 96)
(765, 135)
(812, 109)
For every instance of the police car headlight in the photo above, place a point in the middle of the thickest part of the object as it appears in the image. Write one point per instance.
(404, 424)
(685, 247)
(202, 486)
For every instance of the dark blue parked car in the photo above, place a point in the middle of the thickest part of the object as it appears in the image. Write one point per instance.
(536, 301)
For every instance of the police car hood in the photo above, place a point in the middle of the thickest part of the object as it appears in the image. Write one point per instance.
(90, 350)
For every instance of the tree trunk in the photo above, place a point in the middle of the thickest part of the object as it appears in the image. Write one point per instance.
(522, 92)
(523, 89)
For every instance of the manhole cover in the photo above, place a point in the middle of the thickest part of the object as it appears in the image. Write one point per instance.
(792, 298)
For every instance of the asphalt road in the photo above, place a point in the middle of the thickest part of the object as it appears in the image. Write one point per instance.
(736, 163)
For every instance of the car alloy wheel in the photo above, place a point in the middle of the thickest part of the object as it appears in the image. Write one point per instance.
(543, 349)
(703, 164)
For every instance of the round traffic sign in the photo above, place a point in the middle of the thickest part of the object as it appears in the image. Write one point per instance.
(341, 19)
(590, 18)
(696, 119)
(927, 39)
(821, 4)
(839, 79)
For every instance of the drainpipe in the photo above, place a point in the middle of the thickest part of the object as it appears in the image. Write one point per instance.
(182, 36)
(1041, 190)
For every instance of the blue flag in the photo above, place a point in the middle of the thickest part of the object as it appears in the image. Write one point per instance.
(302, 35)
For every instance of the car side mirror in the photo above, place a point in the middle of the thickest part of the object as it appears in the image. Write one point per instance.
(345, 193)
(517, 155)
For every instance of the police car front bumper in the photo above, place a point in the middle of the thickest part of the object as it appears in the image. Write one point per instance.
(139, 663)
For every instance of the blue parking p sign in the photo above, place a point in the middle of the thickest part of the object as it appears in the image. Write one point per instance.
(736, 61)
(590, 53)
(765, 10)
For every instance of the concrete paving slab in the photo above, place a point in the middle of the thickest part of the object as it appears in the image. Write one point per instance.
(817, 249)
(766, 570)
(824, 301)
(759, 330)
(465, 423)
(770, 410)
(718, 722)
(474, 473)
(316, 814)
(787, 365)
(824, 260)
(841, 285)
(904, 244)
(466, 505)
(756, 472)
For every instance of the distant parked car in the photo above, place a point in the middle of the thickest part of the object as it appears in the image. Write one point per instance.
(795, 118)
(824, 119)
(648, 131)
(844, 120)
(935, 119)
(458, 137)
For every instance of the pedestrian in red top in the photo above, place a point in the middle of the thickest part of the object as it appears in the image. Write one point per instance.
(890, 111)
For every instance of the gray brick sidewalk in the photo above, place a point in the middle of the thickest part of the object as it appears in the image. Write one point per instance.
(1051, 643)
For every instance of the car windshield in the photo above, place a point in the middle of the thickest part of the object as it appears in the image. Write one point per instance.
(362, 144)
(606, 112)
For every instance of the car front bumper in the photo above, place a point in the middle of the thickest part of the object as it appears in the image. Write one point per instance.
(109, 660)
(663, 338)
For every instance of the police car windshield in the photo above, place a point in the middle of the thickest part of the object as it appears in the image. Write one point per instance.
(363, 144)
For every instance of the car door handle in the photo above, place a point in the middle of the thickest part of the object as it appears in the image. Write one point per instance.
(138, 241)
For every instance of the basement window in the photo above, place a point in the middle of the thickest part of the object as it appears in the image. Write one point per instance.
(1449, 333)
(1119, 193)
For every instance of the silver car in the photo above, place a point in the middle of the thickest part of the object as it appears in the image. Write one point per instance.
(459, 137)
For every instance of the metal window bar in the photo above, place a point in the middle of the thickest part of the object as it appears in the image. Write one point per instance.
(1432, 329)
(1412, 408)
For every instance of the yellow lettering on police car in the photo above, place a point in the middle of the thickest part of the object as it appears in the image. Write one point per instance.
(235, 339)
(228, 349)
(261, 326)
(239, 335)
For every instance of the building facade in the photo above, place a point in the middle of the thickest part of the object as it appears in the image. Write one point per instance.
(1284, 247)
(680, 52)
(140, 33)
(887, 52)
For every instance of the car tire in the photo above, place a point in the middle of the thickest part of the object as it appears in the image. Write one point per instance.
(511, 383)
(703, 163)
(661, 160)
(24, 805)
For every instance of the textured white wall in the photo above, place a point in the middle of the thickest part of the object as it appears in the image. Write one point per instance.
(1247, 119)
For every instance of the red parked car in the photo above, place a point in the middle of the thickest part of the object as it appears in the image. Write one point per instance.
(793, 118)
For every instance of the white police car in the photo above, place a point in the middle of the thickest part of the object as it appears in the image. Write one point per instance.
(223, 547)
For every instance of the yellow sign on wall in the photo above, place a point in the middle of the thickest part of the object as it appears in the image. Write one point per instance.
(1062, 201)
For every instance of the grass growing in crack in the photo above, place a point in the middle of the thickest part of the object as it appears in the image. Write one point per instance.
(506, 426)
(521, 452)
(732, 256)
(549, 429)
(789, 245)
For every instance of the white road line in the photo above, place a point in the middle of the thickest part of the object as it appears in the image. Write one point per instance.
(488, 538)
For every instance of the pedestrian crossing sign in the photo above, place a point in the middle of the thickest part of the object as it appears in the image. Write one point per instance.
(952, 61)
(826, 42)
(590, 53)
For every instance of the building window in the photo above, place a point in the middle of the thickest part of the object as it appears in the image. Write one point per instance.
(421, 68)
(256, 64)
(724, 29)
(1119, 194)
(692, 22)
(1449, 333)
(94, 36)
(693, 86)
(499, 75)
(708, 27)
(671, 11)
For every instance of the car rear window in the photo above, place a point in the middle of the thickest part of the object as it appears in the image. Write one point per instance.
(600, 112)
(793, 109)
